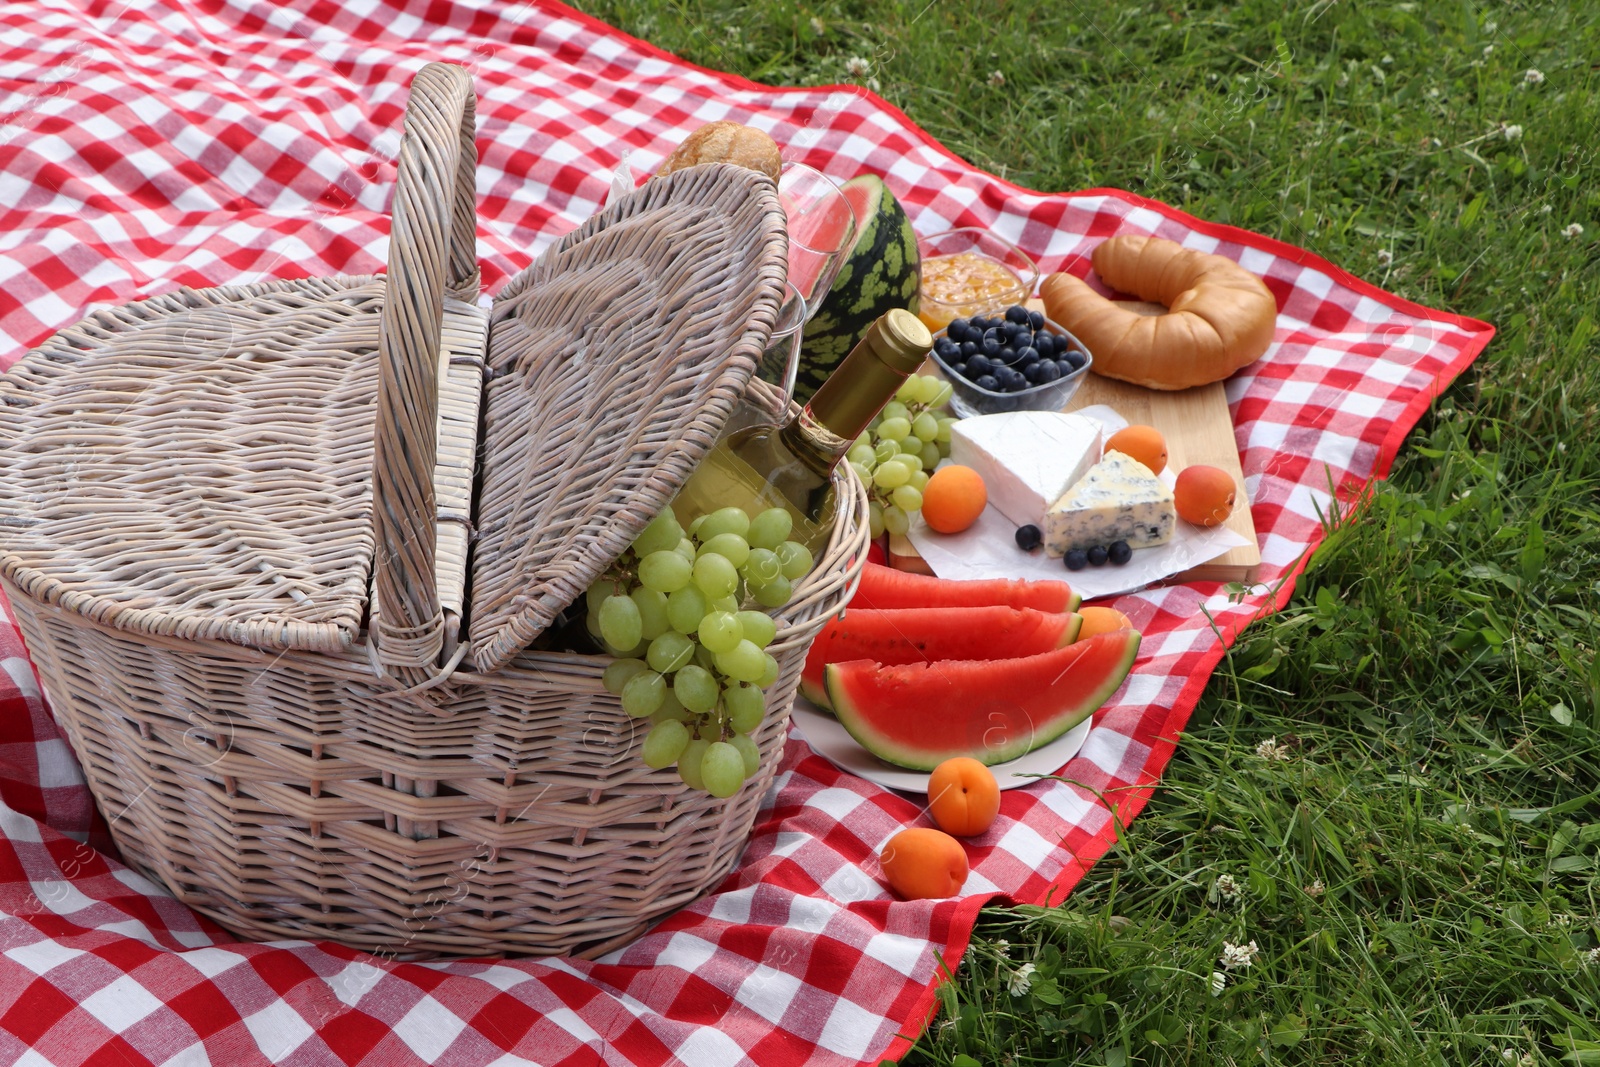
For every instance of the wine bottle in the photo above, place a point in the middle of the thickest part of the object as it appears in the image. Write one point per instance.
(791, 466)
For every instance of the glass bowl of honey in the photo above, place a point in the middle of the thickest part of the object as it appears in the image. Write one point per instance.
(970, 271)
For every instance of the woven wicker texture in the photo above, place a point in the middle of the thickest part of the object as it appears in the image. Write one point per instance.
(262, 449)
(616, 359)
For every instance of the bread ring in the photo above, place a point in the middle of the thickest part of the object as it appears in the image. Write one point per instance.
(1219, 317)
(726, 142)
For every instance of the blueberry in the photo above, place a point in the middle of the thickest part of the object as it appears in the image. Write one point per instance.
(947, 348)
(992, 342)
(1010, 379)
(1027, 355)
(959, 368)
(976, 325)
(1049, 371)
(1017, 313)
(1097, 556)
(1006, 355)
(1036, 319)
(1076, 560)
(1029, 538)
(1034, 371)
(957, 330)
(1119, 552)
(1046, 342)
(969, 349)
(1072, 359)
(1017, 334)
(978, 365)
(987, 382)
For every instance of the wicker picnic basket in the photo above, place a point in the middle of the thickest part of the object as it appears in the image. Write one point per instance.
(235, 527)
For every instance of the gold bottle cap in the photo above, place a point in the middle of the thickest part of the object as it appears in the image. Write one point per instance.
(900, 340)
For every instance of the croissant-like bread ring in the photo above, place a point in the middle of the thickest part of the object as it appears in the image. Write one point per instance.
(1220, 317)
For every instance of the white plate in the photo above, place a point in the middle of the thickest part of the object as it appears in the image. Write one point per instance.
(831, 740)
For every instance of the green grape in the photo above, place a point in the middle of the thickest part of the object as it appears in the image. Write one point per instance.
(894, 429)
(746, 705)
(704, 658)
(862, 456)
(943, 436)
(742, 663)
(942, 397)
(619, 673)
(749, 752)
(694, 526)
(875, 518)
(620, 624)
(884, 449)
(931, 455)
(795, 559)
(715, 574)
(643, 694)
(664, 744)
(729, 546)
(671, 708)
(724, 520)
(689, 763)
(724, 603)
(652, 612)
(894, 409)
(762, 566)
(928, 390)
(722, 770)
(758, 627)
(695, 688)
(911, 461)
(720, 631)
(669, 652)
(662, 535)
(896, 521)
(665, 572)
(907, 499)
(771, 528)
(596, 594)
(863, 473)
(686, 550)
(685, 608)
(926, 427)
(776, 593)
(907, 393)
(890, 475)
(864, 439)
(919, 481)
(770, 673)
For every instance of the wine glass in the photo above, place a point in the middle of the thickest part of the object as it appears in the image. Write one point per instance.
(822, 227)
(780, 360)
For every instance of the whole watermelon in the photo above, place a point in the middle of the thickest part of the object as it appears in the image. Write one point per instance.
(882, 271)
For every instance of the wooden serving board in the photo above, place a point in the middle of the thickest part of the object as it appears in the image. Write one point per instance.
(1198, 429)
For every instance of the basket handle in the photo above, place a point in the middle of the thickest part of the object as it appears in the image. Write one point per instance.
(432, 252)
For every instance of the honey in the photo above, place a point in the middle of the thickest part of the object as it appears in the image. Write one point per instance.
(965, 284)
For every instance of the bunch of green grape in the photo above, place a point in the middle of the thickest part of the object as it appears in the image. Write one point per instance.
(691, 659)
(896, 455)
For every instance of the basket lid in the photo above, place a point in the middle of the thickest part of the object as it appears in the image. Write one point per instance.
(614, 361)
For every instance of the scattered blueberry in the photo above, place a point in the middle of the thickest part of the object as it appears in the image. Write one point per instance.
(1034, 371)
(958, 367)
(1119, 552)
(977, 366)
(977, 324)
(1017, 313)
(1098, 555)
(1049, 371)
(992, 342)
(1017, 335)
(1029, 538)
(1010, 379)
(1076, 560)
(1006, 355)
(1027, 355)
(957, 330)
(947, 348)
(1073, 358)
(1036, 319)
(969, 349)
(987, 381)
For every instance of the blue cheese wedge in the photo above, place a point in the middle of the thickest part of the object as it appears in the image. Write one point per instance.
(1118, 500)
(1027, 458)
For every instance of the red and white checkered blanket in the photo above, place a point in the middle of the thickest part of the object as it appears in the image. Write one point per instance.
(152, 143)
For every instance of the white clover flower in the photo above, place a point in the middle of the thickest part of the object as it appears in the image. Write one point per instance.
(1022, 981)
(1544, 209)
(996, 78)
(1572, 230)
(857, 67)
(1385, 257)
(1316, 888)
(1591, 958)
(1003, 947)
(818, 27)
(1225, 888)
(1379, 76)
(1488, 49)
(1490, 27)
(1387, 60)
(873, 84)
(1532, 77)
(1219, 982)
(1234, 956)
(1434, 93)
(1270, 749)
(1512, 132)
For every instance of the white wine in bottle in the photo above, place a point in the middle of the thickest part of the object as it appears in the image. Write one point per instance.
(791, 466)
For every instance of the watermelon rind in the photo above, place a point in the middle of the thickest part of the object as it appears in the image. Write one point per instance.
(916, 717)
(883, 270)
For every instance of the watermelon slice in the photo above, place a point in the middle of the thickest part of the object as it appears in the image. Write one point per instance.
(918, 715)
(920, 635)
(885, 587)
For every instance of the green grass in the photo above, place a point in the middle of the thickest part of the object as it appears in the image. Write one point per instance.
(1420, 874)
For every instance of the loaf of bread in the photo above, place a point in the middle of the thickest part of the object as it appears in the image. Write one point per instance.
(726, 142)
(1219, 316)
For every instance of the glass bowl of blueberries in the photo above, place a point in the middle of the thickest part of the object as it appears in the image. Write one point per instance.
(1011, 360)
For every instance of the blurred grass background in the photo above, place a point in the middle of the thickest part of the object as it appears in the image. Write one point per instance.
(1391, 790)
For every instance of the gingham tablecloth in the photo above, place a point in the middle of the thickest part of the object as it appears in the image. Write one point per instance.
(157, 143)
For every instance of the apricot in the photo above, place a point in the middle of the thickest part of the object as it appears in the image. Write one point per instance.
(924, 864)
(953, 498)
(1204, 495)
(963, 796)
(1097, 620)
(1143, 443)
